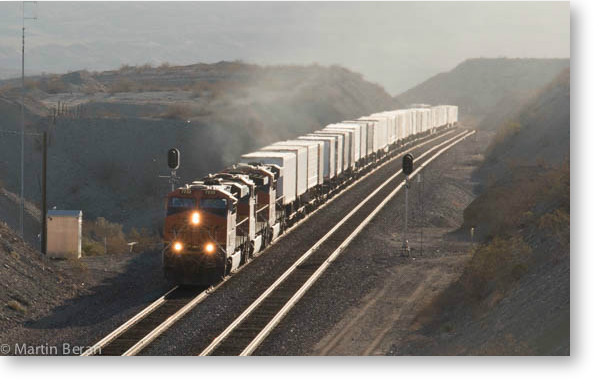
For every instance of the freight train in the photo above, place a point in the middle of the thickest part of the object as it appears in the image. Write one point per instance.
(216, 224)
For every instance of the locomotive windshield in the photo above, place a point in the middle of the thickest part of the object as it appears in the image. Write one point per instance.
(180, 204)
(214, 205)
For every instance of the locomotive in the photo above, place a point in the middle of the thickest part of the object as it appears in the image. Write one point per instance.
(216, 224)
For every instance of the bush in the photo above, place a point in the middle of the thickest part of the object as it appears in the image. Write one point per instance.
(55, 85)
(16, 306)
(122, 85)
(177, 111)
(556, 225)
(94, 234)
(145, 239)
(495, 266)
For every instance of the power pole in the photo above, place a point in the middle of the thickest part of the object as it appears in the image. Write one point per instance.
(44, 210)
(421, 205)
(22, 197)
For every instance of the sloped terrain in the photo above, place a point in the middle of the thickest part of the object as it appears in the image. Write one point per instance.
(110, 131)
(513, 297)
(486, 86)
(537, 134)
(31, 285)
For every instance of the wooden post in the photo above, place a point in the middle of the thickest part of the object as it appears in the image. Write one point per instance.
(44, 209)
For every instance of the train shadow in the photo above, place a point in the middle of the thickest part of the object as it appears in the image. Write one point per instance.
(125, 293)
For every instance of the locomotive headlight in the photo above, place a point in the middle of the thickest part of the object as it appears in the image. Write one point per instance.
(178, 246)
(196, 218)
(209, 247)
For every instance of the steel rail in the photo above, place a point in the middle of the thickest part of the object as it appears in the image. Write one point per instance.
(97, 347)
(221, 337)
(165, 325)
(169, 321)
(315, 276)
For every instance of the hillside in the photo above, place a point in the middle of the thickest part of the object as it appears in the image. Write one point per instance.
(484, 86)
(109, 131)
(31, 284)
(536, 134)
(513, 297)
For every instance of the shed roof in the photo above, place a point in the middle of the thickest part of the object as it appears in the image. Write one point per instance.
(64, 213)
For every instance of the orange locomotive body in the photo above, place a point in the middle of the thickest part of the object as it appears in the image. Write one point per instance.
(199, 233)
(214, 226)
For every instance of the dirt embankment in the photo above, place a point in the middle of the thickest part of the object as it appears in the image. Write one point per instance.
(51, 302)
(513, 296)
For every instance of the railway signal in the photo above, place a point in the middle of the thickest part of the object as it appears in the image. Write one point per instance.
(407, 164)
(173, 161)
(173, 158)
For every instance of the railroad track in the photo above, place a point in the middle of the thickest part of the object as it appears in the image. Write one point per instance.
(245, 334)
(141, 330)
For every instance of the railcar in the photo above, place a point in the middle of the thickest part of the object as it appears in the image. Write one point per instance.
(216, 224)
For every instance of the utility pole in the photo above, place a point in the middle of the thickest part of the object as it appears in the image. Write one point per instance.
(407, 169)
(22, 198)
(44, 210)
(420, 181)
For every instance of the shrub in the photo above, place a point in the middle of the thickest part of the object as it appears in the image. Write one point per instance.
(557, 226)
(145, 239)
(143, 67)
(94, 234)
(55, 85)
(15, 305)
(177, 111)
(495, 266)
(125, 68)
(122, 85)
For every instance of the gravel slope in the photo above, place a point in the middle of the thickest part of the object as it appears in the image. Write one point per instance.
(371, 292)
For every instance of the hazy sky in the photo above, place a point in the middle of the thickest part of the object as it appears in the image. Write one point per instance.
(395, 44)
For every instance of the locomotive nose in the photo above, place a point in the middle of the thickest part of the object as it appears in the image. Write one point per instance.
(195, 219)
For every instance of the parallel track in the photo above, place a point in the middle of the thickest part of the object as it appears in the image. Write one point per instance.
(245, 334)
(141, 330)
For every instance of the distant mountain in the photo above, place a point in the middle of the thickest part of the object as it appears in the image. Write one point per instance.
(478, 86)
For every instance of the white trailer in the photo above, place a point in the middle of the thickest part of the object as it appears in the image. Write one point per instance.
(315, 160)
(354, 130)
(380, 132)
(371, 137)
(301, 164)
(286, 184)
(363, 136)
(327, 149)
(337, 150)
(345, 141)
(392, 129)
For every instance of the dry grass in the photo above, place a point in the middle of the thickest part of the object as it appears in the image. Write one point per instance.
(16, 306)
(146, 240)
(122, 85)
(96, 234)
(178, 111)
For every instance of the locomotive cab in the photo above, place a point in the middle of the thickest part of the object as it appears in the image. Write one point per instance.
(200, 234)
(265, 179)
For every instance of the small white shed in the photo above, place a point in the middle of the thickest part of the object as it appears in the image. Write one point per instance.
(64, 233)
